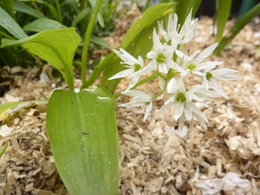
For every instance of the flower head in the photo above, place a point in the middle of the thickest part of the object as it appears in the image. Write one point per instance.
(134, 67)
(170, 63)
(182, 101)
(139, 98)
(176, 35)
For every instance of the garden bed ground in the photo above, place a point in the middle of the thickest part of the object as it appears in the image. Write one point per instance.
(153, 159)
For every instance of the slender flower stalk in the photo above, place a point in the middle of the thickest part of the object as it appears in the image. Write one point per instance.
(86, 42)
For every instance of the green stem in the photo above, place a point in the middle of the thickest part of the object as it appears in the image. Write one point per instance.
(153, 76)
(3, 149)
(161, 92)
(86, 41)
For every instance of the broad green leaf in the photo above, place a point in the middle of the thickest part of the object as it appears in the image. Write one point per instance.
(57, 47)
(237, 27)
(10, 108)
(84, 141)
(137, 41)
(222, 13)
(22, 7)
(3, 149)
(9, 24)
(43, 24)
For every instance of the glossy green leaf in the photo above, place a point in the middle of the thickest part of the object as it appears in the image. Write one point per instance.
(57, 47)
(84, 141)
(22, 7)
(237, 27)
(137, 41)
(222, 13)
(9, 24)
(43, 24)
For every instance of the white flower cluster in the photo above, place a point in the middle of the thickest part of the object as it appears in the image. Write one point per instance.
(170, 62)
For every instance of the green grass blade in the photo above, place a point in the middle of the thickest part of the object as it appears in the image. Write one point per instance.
(237, 27)
(9, 24)
(84, 141)
(23, 8)
(222, 13)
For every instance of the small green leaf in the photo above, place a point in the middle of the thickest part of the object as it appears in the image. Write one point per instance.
(137, 41)
(43, 24)
(9, 24)
(222, 13)
(84, 141)
(57, 47)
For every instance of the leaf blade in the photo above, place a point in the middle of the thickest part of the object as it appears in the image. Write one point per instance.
(83, 136)
(9, 24)
(43, 24)
(223, 10)
(57, 47)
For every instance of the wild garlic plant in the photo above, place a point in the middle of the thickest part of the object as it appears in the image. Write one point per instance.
(170, 62)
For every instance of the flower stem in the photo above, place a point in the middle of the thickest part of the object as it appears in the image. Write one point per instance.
(86, 41)
(153, 76)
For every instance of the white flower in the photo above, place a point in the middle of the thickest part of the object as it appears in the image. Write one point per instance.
(139, 98)
(181, 101)
(161, 57)
(134, 67)
(177, 36)
(211, 76)
(195, 62)
(210, 186)
(232, 182)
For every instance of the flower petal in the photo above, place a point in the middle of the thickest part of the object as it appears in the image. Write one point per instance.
(122, 74)
(206, 52)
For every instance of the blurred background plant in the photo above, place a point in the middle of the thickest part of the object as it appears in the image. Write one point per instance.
(38, 15)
